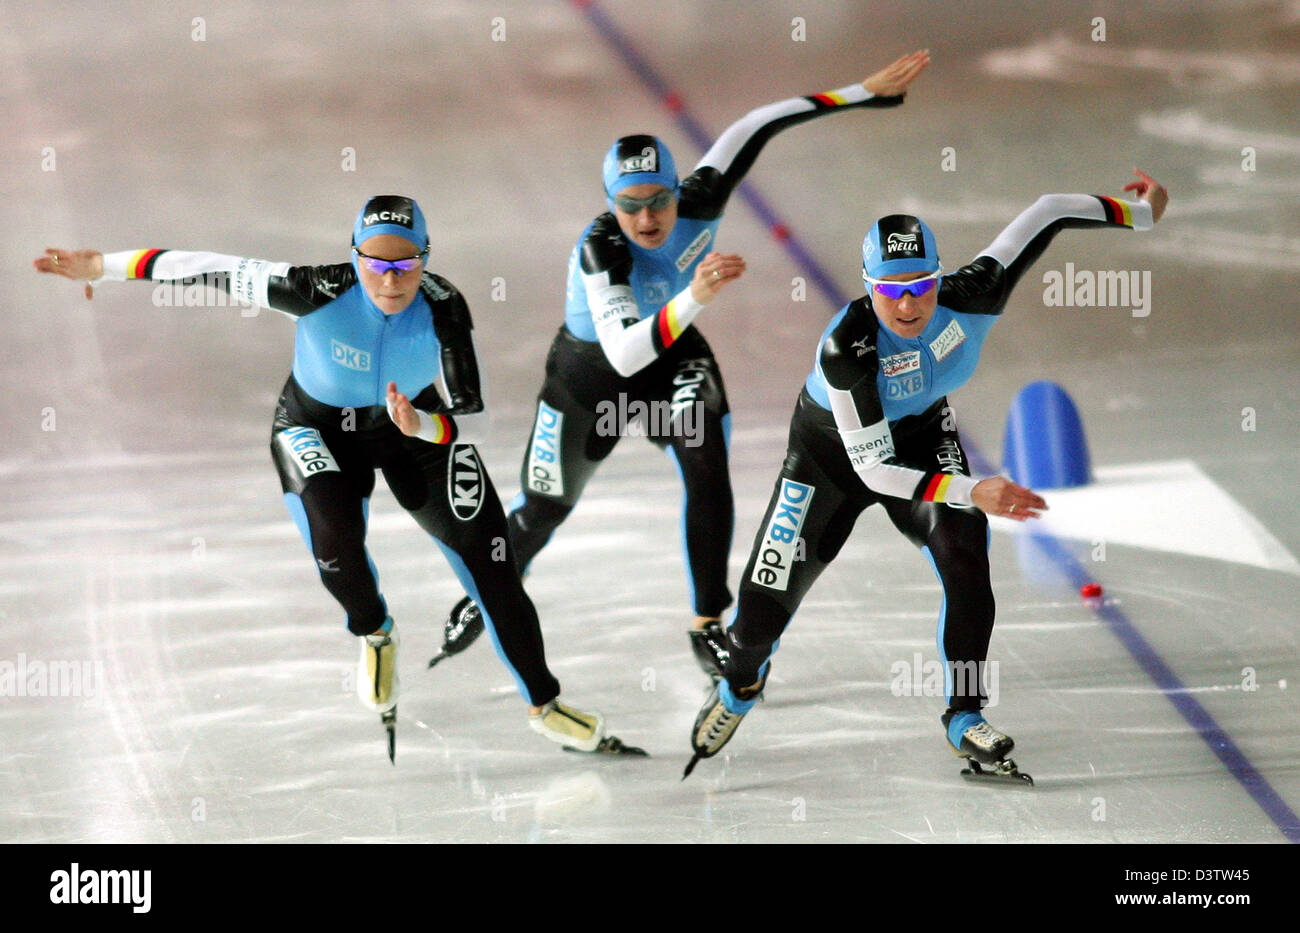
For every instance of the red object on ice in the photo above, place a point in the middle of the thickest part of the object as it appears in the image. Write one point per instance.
(1090, 590)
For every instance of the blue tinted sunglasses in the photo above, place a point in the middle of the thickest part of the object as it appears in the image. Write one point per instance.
(896, 290)
(400, 266)
(656, 202)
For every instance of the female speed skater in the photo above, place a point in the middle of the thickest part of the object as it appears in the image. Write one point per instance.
(873, 425)
(376, 339)
(638, 277)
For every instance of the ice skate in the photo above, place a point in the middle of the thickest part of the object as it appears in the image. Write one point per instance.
(972, 738)
(718, 720)
(377, 682)
(463, 626)
(577, 731)
(709, 645)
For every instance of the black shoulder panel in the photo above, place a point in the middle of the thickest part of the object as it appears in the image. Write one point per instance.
(605, 250)
(702, 194)
(453, 326)
(307, 288)
(979, 287)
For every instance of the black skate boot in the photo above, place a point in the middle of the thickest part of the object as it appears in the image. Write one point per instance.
(719, 718)
(462, 627)
(709, 645)
(972, 738)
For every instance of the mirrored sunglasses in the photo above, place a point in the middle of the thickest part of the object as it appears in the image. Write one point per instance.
(380, 266)
(655, 202)
(896, 290)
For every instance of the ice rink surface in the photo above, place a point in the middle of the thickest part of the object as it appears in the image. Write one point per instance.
(145, 547)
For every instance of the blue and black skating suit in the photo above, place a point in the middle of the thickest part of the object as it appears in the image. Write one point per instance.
(332, 431)
(628, 350)
(873, 424)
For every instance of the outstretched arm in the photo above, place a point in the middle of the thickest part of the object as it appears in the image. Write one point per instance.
(984, 286)
(293, 290)
(739, 145)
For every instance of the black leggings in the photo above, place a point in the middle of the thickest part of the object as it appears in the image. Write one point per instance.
(327, 476)
(818, 498)
(585, 406)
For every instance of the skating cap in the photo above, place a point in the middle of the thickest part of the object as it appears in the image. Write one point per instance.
(899, 244)
(639, 160)
(391, 213)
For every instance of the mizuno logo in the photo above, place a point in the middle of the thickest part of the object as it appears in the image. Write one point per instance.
(862, 346)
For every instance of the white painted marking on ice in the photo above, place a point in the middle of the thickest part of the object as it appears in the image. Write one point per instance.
(1060, 58)
(1191, 128)
(1164, 506)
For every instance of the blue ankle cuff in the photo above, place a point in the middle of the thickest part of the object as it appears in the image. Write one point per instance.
(958, 725)
(733, 703)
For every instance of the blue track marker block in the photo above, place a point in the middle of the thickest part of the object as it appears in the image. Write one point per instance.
(1044, 446)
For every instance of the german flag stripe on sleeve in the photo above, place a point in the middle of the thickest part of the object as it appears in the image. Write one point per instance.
(1117, 212)
(829, 99)
(937, 489)
(667, 328)
(141, 264)
(446, 430)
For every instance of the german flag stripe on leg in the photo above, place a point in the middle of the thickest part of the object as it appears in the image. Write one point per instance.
(141, 264)
(667, 327)
(937, 489)
(1117, 212)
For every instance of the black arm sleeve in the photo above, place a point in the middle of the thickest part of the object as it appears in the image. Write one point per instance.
(604, 249)
(706, 190)
(307, 288)
(453, 326)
